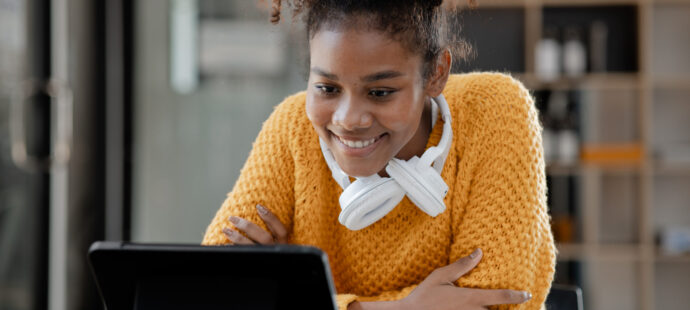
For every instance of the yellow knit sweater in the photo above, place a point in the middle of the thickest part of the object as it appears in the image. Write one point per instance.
(496, 199)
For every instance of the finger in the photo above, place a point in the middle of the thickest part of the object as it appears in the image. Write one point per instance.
(273, 223)
(236, 238)
(253, 231)
(459, 268)
(500, 297)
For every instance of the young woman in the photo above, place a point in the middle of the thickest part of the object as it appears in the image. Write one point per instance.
(425, 189)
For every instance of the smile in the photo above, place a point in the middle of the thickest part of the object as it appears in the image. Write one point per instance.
(357, 147)
(357, 144)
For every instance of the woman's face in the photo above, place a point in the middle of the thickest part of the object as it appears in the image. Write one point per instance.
(365, 98)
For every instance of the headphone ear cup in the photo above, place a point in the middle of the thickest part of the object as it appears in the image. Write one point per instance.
(363, 203)
(425, 188)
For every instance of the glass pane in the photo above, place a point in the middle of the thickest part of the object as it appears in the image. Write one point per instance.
(671, 283)
(671, 50)
(197, 110)
(611, 285)
(671, 127)
(619, 208)
(22, 194)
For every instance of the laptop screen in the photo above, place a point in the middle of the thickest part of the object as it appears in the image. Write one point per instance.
(171, 277)
(192, 292)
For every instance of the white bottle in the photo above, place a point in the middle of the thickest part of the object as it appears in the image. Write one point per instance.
(574, 54)
(568, 147)
(547, 56)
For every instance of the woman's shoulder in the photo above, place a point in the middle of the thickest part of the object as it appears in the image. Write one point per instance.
(289, 118)
(289, 112)
(488, 96)
(293, 103)
(486, 88)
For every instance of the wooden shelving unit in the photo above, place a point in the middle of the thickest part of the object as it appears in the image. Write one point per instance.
(592, 81)
(650, 85)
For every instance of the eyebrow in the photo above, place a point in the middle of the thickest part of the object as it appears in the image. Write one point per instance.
(389, 74)
(381, 76)
(323, 73)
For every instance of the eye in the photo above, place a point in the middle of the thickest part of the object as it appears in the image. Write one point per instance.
(326, 89)
(380, 93)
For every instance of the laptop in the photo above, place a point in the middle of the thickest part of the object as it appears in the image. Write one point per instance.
(133, 276)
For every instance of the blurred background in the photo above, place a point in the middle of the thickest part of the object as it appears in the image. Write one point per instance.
(131, 120)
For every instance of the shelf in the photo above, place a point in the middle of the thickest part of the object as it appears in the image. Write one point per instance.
(671, 82)
(559, 169)
(671, 168)
(671, 2)
(490, 4)
(564, 3)
(591, 81)
(642, 98)
(665, 258)
(622, 252)
(572, 3)
(574, 251)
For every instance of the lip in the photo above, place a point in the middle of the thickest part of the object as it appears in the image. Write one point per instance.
(355, 152)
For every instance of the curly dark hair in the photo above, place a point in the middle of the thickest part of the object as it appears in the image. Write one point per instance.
(424, 27)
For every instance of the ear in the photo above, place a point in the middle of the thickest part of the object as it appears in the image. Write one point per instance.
(439, 77)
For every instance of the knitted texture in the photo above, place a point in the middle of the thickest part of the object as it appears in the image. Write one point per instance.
(496, 200)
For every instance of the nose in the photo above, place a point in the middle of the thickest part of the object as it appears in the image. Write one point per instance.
(352, 114)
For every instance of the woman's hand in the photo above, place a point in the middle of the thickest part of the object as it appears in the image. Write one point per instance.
(255, 234)
(438, 292)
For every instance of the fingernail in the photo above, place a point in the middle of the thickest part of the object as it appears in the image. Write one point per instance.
(262, 210)
(228, 231)
(475, 254)
(234, 220)
(528, 295)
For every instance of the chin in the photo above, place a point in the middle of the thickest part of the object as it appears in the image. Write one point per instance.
(355, 169)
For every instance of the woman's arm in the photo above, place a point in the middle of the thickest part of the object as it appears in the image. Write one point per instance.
(504, 210)
(437, 292)
(385, 300)
(266, 179)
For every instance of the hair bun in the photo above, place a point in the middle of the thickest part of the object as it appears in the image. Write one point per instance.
(275, 11)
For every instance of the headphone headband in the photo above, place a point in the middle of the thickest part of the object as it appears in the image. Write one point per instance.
(437, 154)
(337, 173)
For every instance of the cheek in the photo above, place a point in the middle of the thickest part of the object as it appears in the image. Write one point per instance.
(404, 118)
(318, 114)
(405, 115)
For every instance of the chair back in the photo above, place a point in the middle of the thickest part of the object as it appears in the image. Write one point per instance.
(564, 297)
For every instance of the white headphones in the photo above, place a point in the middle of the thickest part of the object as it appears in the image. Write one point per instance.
(368, 199)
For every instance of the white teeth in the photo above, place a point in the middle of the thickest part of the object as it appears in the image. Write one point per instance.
(357, 144)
